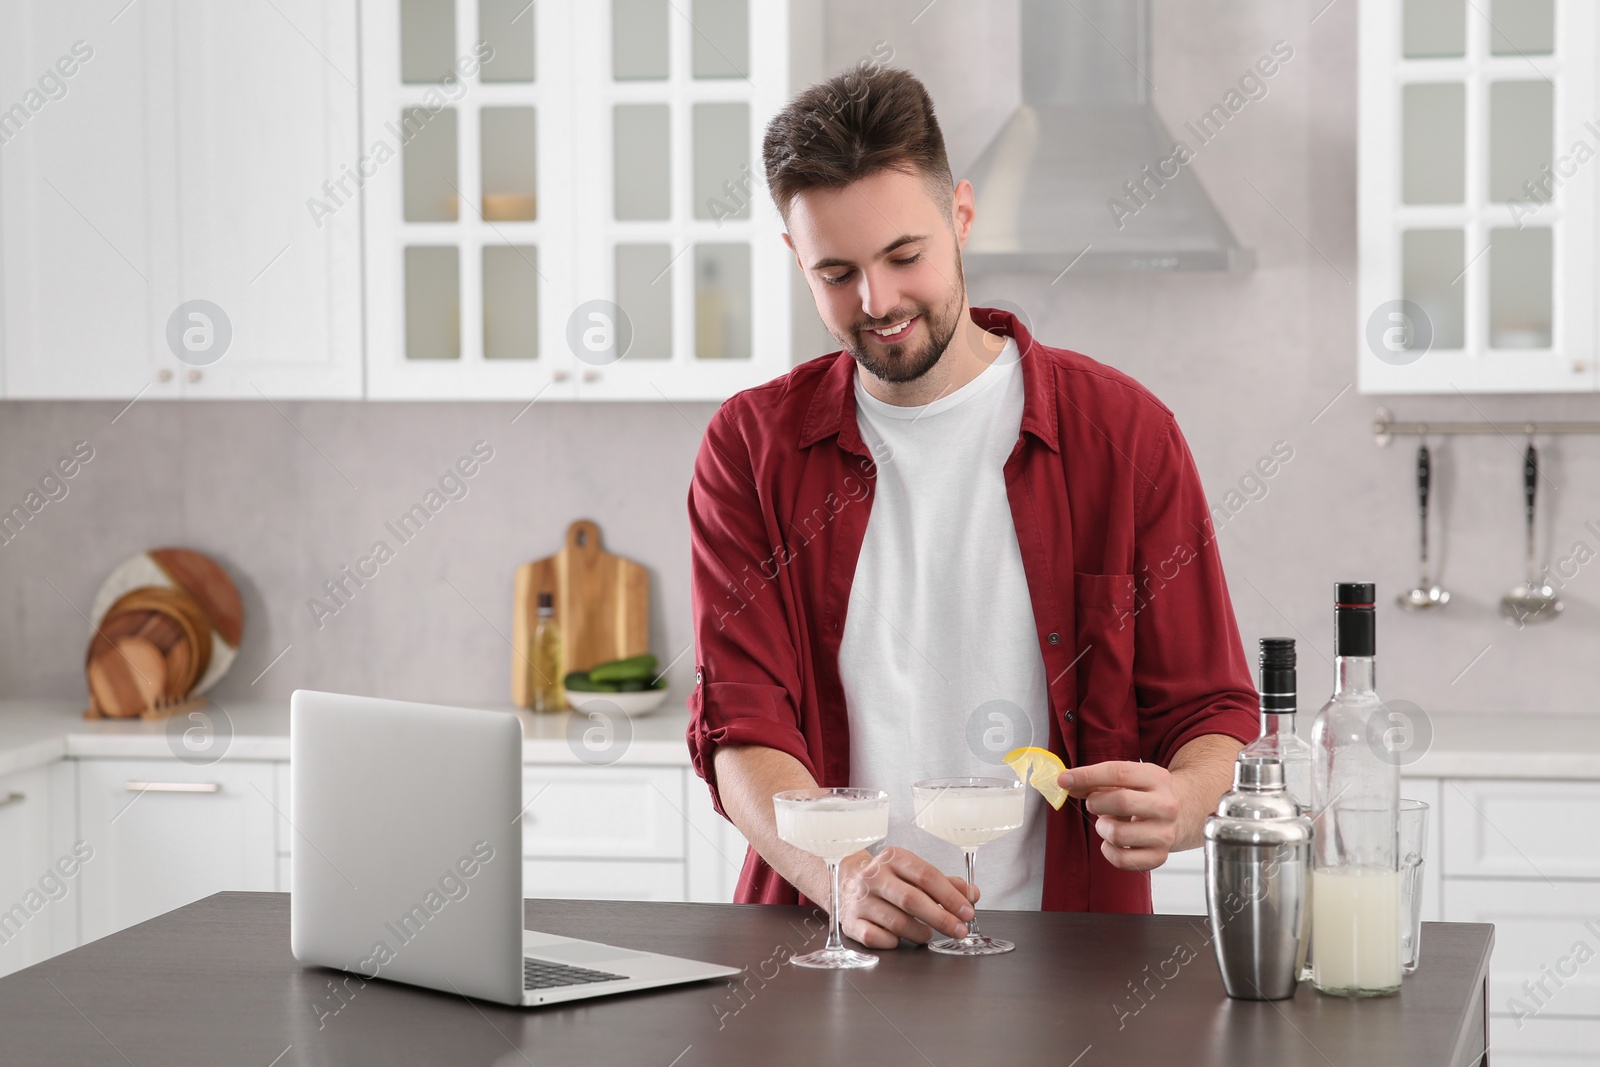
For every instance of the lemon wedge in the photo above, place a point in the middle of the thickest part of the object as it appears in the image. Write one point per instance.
(1039, 768)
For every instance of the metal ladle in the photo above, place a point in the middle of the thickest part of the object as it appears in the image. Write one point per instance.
(1427, 595)
(1534, 600)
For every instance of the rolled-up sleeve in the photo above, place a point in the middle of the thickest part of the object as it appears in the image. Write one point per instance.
(1190, 673)
(747, 664)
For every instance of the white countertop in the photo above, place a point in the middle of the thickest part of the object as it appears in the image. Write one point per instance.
(36, 732)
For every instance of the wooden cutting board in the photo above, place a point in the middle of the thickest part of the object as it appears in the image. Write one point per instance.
(602, 604)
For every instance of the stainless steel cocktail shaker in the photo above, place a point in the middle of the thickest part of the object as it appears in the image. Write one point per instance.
(1258, 873)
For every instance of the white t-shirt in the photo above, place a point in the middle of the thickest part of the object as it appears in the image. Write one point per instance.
(940, 656)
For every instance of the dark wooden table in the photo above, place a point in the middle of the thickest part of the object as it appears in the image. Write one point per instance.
(214, 983)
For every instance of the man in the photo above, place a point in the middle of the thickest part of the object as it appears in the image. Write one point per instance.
(942, 542)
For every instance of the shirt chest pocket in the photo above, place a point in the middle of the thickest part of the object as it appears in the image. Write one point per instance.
(1107, 719)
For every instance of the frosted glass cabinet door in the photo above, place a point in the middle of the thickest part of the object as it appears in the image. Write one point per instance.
(1478, 196)
(571, 205)
(1433, 137)
(1434, 28)
(690, 254)
(469, 217)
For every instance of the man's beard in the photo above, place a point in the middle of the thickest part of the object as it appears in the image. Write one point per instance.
(898, 362)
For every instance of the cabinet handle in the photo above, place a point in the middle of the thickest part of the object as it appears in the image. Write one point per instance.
(174, 787)
(559, 376)
(591, 376)
(194, 375)
(12, 798)
(164, 374)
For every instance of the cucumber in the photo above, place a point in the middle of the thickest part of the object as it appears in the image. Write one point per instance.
(632, 686)
(641, 668)
(580, 682)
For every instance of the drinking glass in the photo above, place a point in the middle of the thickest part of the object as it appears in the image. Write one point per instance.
(968, 812)
(1413, 845)
(832, 824)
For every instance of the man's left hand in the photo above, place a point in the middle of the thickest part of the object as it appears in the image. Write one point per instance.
(1137, 809)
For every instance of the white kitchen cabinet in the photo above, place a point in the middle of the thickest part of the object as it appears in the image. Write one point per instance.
(602, 879)
(1544, 931)
(1178, 886)
(716, 848)
(166, 833)
(267, 217)
(617, 812)
(1522, 829)
(467, 157)
(1543, 1042)
(1522, 855)
(1477, 197)
(680, 232)
(85, 199)
(181, 163)
(34, 894)
(560, 228)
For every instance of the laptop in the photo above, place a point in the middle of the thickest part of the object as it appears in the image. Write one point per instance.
(406, 861)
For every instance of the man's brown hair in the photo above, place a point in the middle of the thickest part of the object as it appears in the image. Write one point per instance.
(867, 119)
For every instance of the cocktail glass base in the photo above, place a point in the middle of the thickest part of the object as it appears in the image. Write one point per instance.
(835, 959)
(971, 945)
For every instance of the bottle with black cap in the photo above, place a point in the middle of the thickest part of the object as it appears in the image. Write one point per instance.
(1355, 797)
(1278, 738)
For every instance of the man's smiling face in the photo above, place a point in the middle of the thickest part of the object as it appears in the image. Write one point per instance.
(879, 253)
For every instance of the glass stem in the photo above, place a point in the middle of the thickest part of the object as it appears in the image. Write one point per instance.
(835, 942)
(972, 880)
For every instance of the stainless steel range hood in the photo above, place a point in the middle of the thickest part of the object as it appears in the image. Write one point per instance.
(1086, 128)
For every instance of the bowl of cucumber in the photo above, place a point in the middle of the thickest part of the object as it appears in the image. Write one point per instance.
(630, 685)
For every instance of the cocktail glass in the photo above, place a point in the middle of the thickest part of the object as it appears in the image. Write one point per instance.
(968, 812)
(832, 824)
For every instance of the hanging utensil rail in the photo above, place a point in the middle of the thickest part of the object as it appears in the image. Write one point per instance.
(1385, 429)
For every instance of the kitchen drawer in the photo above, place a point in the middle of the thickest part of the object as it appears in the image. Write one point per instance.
(1178, 886)
(166, 833)
(1543, 1042)
(1537, 927)
(603, 879)
(603, 812)
(1521, 829)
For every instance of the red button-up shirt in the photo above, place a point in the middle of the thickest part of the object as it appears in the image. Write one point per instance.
(1131, 609)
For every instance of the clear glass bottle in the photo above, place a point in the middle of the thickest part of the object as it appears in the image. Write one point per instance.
(546, 662)
(1355, 791)
(1279, 704)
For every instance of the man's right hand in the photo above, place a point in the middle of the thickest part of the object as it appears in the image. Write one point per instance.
(899, 894)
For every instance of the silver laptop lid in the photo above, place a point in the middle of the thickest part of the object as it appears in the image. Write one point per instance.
(406, 860)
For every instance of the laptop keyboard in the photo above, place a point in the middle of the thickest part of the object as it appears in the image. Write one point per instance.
(542, 974)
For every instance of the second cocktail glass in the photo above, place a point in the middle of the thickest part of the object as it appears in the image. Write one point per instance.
(968, 812)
